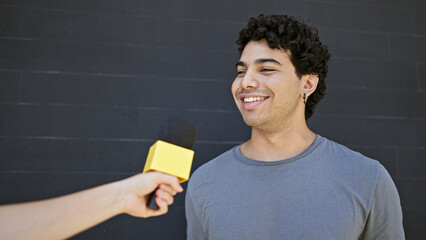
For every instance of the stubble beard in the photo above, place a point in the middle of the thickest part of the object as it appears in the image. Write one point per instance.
(280, 119)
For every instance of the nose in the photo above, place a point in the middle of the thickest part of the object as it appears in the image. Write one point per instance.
(249, 80)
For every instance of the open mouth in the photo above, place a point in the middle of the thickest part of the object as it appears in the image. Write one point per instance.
(253, 99)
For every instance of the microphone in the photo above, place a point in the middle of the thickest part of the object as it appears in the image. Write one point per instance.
(171, 153)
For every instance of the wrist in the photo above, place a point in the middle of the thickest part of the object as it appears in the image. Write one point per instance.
(126, 194)
(119, 195)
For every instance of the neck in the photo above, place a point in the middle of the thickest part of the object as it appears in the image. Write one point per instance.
(277, 145)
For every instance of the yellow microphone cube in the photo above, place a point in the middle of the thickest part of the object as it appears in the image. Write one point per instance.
(170, 159)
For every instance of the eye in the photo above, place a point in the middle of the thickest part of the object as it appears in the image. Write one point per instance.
(267, 70)
(241, 72)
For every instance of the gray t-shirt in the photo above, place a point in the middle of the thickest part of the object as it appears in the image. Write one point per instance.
(326, 192)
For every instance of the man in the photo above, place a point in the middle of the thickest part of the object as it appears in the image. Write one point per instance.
(65, 216)
(286, 182)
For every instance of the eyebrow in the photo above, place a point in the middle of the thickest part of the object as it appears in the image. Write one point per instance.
(258, 61)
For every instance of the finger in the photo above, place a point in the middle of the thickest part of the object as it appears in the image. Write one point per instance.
(162, 205)
(170, 180)
(168, 189)
(165, 196)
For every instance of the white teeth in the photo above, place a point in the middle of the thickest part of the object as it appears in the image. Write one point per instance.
(253, 99)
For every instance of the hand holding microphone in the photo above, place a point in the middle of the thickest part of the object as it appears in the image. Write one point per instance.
(171, 154)
(65, 216)
(138, 188)
(58, 218)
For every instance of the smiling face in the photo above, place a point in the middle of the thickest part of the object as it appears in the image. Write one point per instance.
(267, 90)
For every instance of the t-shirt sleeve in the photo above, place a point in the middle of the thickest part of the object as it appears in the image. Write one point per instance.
(194, 227)
(385, 217)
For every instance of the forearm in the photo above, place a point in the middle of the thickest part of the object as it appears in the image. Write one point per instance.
(61, 217)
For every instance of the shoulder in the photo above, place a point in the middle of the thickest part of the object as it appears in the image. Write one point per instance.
(339, 153)
(359, 173)
(211, 170)
(349, 164)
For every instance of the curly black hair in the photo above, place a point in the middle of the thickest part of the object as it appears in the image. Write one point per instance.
(307, 53)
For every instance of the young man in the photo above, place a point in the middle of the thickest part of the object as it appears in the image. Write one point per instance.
(286, 182)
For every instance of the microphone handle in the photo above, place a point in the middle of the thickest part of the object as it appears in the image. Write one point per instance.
(151, 201)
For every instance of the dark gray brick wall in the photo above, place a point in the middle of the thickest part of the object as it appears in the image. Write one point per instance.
(84, 86)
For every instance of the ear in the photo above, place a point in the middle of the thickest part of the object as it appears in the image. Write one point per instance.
(310, 83)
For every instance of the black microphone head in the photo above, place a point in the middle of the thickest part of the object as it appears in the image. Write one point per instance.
(178, 130)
